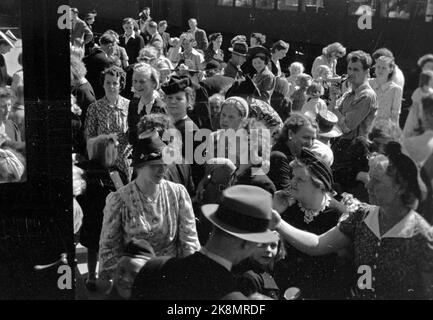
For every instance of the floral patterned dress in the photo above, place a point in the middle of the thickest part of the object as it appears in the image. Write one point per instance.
(104, 118)
(396, 260)
(167, 223)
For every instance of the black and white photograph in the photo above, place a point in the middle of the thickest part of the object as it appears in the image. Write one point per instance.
(198, 152)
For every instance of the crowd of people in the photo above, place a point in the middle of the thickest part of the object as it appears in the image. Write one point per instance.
(323, 181)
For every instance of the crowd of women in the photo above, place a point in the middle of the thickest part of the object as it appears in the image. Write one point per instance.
(351, 188)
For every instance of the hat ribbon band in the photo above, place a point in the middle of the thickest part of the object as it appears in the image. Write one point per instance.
(241, 221)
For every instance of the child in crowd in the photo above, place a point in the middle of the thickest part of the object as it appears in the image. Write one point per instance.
(315, 104)
(296, 68)
(215, 104)
(254, 275)
(135, 256)
(299, 97)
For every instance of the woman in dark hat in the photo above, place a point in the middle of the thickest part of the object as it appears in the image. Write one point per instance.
(392, 244)
(310, 207)
(263, 78)
(149, 208)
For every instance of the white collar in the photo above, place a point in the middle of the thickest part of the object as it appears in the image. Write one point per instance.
(218, 259)
(131, 36)
(309, 215)
(403, 229)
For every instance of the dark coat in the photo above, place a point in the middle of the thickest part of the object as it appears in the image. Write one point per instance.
(166, 42)
(134, 117)
(195, 277)
(96, 62)
(261, 181)
(280, 171)
(133, 47)
(85, 96)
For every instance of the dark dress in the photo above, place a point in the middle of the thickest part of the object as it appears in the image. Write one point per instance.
(252, 278)
(282, 105)
(133, 47)
(99, 185)
(85, 97)
(195, 277)
(280, 171)
(318, 277)
(396, 259)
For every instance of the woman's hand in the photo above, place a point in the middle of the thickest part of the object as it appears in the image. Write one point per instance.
(282, 200)
(275, 220)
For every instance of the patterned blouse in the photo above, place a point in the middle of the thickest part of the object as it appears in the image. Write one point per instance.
(389, 266)
(104, 118)
(167, 223)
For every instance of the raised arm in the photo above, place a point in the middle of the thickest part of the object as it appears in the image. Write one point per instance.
(309, 243)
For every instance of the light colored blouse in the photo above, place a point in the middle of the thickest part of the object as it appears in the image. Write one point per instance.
(167, 223)
(389, 97)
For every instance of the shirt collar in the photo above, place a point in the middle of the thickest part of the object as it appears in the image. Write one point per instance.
(218, 259)
(403, 229)
(131, 36)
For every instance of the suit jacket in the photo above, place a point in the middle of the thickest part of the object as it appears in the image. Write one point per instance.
(81, 31)
(157, 42)
(133, 47)
(201, 39)
(195, 277)
(134, 117)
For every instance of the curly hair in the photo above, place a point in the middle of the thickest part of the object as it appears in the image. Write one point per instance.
(294, 123)
(362, 57)
(149, 71)
(115, 72)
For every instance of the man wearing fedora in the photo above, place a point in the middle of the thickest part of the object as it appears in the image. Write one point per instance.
(238, 58)
(240, 222)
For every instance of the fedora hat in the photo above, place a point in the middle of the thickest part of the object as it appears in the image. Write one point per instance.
(212, 65)
(148, 149)
(177, 84)
(8, 37)
(327, 122)
(244, 212)
(239, 48)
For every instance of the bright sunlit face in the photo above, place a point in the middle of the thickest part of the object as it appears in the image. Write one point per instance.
(218, 42)
(143, 85)
(382, 69)
(253, 42)
(281, 54)
(302, 185)
(356, 74)
(304, 137)
(111, 86)
(230, 117)
(128, 28)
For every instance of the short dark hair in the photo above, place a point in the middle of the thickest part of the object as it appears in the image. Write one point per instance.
(127, 20)
(153, 24)
(424, 59)
(162, 23)
(362, 57)
(382, 52)
(280, 45)
(115, 72)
